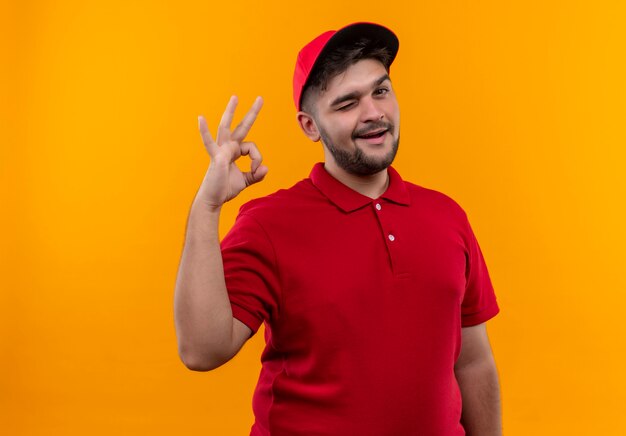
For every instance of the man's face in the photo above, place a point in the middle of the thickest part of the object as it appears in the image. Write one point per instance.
(358, 118)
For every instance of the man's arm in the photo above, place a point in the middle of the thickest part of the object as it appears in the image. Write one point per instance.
(477, 376)
(208, 335)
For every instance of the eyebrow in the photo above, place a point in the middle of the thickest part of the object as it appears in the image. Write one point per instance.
(355, 94)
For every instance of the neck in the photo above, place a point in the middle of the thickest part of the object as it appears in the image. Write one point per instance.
(372, 186)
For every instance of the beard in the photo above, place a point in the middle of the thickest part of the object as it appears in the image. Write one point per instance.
(356, 162)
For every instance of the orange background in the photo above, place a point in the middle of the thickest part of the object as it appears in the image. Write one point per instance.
(515, 109)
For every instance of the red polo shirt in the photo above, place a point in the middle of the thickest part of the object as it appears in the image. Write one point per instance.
(363, 302)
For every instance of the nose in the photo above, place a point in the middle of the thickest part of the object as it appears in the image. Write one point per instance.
(370, 110)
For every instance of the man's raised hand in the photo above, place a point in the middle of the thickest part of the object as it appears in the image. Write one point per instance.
(224, 180)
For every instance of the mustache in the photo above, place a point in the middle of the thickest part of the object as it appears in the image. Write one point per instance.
(372, 127)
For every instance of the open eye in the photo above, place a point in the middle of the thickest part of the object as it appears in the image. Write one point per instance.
(381, 91)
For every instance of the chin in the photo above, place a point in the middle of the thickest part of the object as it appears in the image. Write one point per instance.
(364, 159)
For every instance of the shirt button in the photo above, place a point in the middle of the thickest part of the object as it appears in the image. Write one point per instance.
(392, 238)
(378, 206)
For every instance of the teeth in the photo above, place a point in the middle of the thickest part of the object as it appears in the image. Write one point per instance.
(372, 135)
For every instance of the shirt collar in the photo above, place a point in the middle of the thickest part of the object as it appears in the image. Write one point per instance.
(350, 200)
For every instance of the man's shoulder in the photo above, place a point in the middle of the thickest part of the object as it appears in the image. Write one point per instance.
(434, 200)
(281, 201)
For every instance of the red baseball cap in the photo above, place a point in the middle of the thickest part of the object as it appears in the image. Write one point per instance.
(328, 41)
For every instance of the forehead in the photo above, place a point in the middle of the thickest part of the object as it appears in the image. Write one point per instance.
(359, 77)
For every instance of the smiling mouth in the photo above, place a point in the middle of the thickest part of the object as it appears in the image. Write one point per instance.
(373, 135)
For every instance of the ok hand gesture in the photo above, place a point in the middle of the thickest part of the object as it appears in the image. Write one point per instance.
(224, 180)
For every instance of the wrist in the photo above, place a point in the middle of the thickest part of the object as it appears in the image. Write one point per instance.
(206, 206)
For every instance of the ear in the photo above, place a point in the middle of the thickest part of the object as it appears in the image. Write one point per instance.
(308, 126)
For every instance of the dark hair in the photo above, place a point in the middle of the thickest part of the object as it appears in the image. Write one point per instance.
(338, 61)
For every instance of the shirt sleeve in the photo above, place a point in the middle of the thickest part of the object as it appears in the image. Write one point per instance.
(479, 302)
(250, 272)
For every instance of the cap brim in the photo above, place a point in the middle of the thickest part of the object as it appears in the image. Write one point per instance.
(354, 32)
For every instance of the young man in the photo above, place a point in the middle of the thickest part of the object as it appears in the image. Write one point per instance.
(373, 290)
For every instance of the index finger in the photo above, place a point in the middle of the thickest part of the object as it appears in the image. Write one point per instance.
(245, 125)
